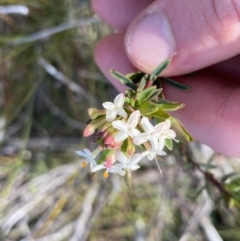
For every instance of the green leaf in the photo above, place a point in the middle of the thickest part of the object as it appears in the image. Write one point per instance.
(128, 178)
(147, 108)
(230, 177)
(160, 114)
(143, 82)
(104, 154)
(145, 94)
(156, 93)
(182, 134)
(176, 84)
(169, 105)
(159, 69)
(169, 144)
(132, 102)
(135, 77)
(123, 79)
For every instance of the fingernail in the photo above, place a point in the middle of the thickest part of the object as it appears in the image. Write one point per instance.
(150, 41)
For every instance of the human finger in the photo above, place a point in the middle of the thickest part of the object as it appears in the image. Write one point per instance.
(110, 54)
(197, 33)
(119, 13)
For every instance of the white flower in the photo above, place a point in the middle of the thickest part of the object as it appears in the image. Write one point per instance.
(110, 168)
(89, 157)
(115, 108)
(166, 132)
(130, 164)
(127, 128)
(153, 133)
(157, 149)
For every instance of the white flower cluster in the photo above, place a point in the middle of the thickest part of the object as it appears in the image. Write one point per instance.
(130, 127)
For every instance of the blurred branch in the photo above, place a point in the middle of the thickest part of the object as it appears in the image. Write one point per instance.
(209, 229)
(57, 29)
(14, 9)
(20, 211)
(57, 112)
(51, 144)
(209, 176)
(50, 69)
(87, 208)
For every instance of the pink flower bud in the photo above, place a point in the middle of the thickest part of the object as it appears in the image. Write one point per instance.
(110, 143)
(93, 125)
(111, 158)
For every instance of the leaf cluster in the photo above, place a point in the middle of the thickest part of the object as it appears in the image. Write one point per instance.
(146, 94)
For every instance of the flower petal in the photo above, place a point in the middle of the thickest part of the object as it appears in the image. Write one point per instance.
(121, 158)
(134, 167)
(83, 154)
(116, 169)
(168, 123)
(154, 142)
(161, 143)
(121, 136)
(120, 125)
(98, 167)
(93, 164)
(120, 111)
(133, 133)
(147, 126)
(108, 105)
(119, 100)
(133, 119)
(111, 115)
(135, 159)
(151, 155)
(161, 153)
(88, 152)
(141, 138)
(170, 134)
(159, 128)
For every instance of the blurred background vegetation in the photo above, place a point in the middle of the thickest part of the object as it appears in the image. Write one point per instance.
(48, 80)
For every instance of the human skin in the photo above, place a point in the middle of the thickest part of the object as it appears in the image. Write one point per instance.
(203, 38)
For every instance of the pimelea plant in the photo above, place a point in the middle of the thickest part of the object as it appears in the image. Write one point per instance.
(135, 125)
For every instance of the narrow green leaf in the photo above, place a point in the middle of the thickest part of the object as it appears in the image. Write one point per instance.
(135, 77)
(145, 94)
(176, 84)
(171, 106)
(160, 114)
(123, 79)
(159, 69)
(142, 84)
(128, 178)
(147, 108)
(169, 144)
(182, 134)
(156, 93)
(127, 100)
(132, 102)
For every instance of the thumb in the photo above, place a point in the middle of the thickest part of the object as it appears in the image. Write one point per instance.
(198, 33)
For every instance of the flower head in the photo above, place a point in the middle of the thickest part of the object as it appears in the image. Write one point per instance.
(157, 149)
(151, 132)
(110, 168)
(129, 164)
(115, 108)
(127, 128)
(166, 132)
(89, 157)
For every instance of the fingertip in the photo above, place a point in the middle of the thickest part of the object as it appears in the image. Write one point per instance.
(110, 54)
